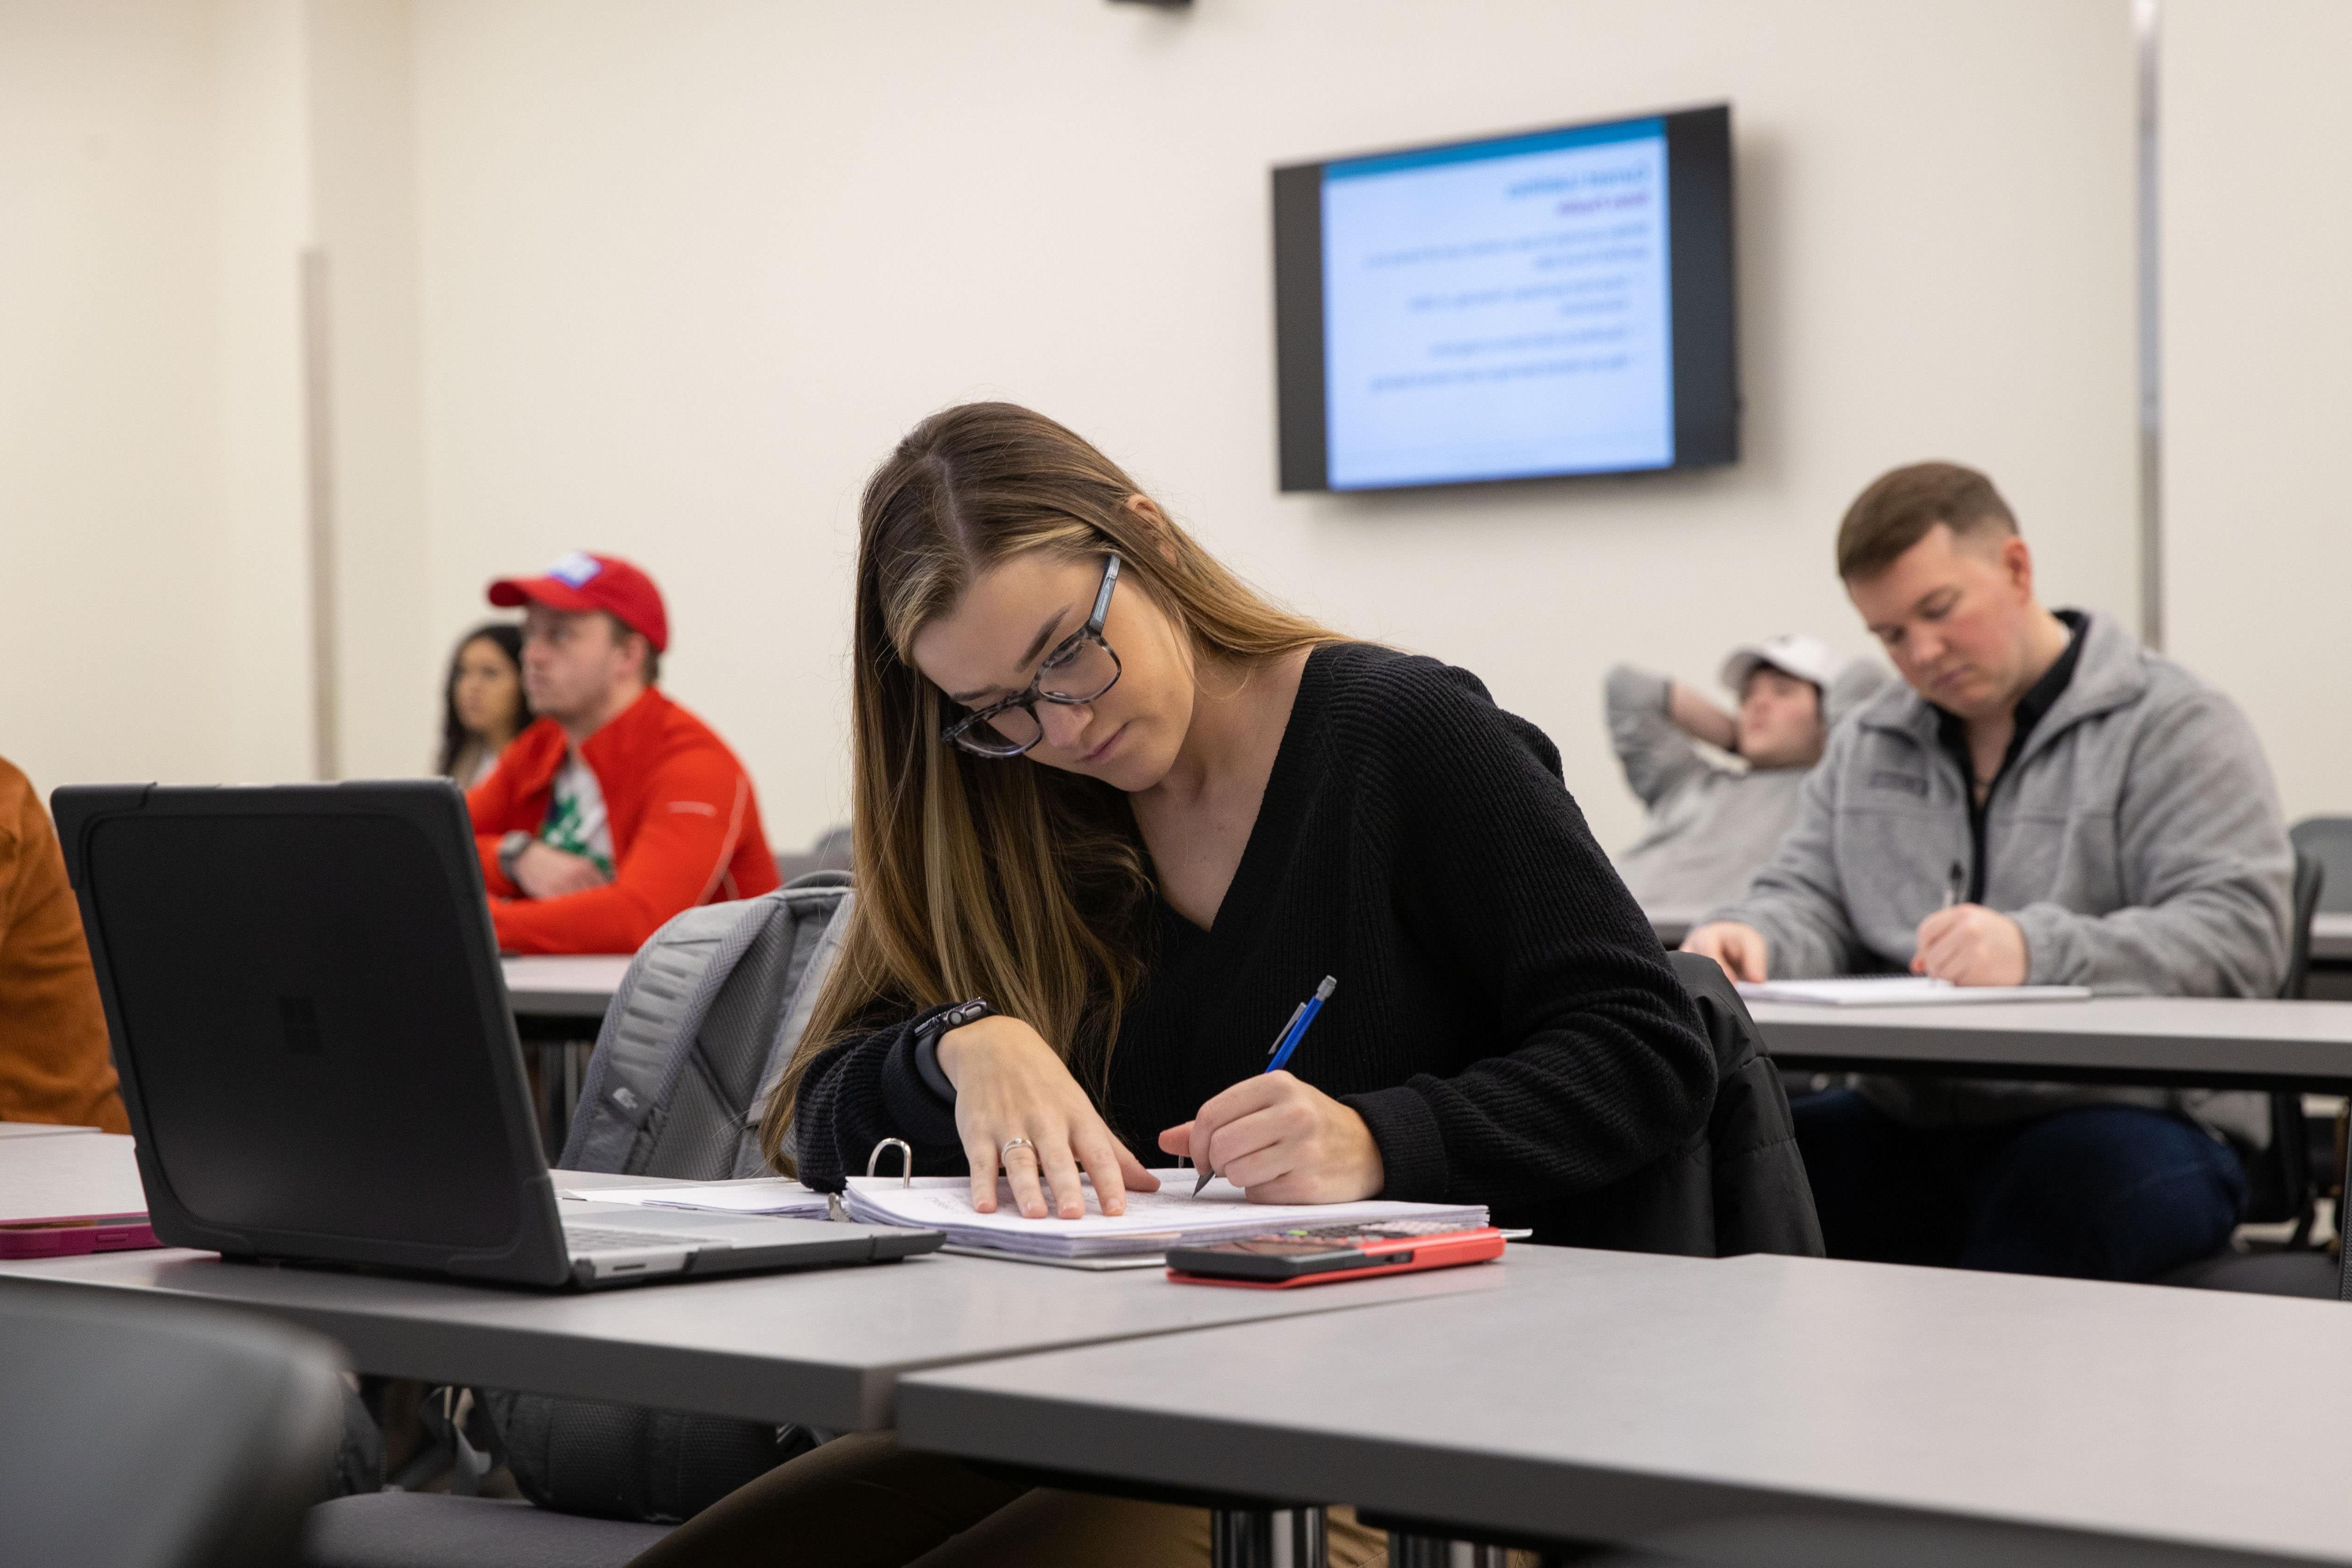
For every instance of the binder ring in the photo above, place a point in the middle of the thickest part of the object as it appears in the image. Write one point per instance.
(1013, 1143)
(906, 1156)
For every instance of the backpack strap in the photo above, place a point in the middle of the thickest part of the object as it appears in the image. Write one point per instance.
(661, 1002)
(828, 891)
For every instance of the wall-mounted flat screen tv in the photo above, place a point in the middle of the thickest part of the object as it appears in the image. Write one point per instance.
(1548, 303)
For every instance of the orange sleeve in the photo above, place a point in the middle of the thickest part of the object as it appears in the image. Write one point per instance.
(54, 1061)
(698, 809)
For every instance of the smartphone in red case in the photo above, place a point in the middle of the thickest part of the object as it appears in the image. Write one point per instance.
(1321, 1255)
(72, 1238)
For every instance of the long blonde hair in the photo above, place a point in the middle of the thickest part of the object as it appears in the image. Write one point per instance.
(1007, 880)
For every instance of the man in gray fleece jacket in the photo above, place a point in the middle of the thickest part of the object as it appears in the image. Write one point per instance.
(2047, 802)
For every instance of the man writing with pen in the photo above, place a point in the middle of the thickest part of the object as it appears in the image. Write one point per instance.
(2047, 803)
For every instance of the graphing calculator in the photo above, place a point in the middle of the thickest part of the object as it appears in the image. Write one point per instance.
(1317, 1255)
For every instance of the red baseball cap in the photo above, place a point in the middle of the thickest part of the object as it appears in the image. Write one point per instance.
(584, 581)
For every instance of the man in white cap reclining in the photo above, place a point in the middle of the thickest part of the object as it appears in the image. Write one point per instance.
(1714, 821)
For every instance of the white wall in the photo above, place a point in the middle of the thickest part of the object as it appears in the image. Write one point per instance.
(362, 172)
(688, 271)
(262, 224)
(667, 280)
(152, 608)
(2258, 333)
(107, 496)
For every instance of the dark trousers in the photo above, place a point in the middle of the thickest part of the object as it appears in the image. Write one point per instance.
(862, 1502)
(2094, 1192)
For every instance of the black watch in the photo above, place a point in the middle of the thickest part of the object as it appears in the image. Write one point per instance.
(932, 1029)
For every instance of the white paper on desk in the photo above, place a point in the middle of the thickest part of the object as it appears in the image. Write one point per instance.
(752, 1194)
(89, 1175)
(1901, 991)
(1154, 1221)
(1109, 1263)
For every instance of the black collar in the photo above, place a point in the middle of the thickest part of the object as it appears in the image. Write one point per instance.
(1952, 731)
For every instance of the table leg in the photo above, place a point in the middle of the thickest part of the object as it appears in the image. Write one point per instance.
(1409, 1551)
(557, 1069)
(1267, 1538)
(1307, 1541)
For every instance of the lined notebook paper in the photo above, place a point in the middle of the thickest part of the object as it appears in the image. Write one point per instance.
(1901, 991)
(1154, 1221)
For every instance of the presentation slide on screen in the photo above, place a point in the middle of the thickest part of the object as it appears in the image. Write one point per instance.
(1498, 309)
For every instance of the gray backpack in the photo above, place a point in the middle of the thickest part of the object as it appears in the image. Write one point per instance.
(699, 1032)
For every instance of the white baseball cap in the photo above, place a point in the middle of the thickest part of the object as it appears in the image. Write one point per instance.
(1807, 658)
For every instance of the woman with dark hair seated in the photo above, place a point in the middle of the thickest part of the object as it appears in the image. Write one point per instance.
(1114, 814)
(483, 703)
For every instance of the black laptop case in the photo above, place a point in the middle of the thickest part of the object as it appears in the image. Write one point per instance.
(305, 976)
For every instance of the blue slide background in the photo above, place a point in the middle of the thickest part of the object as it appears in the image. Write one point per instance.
(1499, 309)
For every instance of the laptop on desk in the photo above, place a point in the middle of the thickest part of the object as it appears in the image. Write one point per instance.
(317, 1053)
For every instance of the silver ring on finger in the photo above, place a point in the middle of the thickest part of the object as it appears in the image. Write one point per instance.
(1013, 1143)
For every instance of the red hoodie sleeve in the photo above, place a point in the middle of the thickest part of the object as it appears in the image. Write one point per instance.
(493, 806)
(698, 807)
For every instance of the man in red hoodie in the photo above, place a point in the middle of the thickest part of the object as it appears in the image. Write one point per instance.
(618, 807)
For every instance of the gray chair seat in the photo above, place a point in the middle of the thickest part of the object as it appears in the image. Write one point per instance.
(432, 1529)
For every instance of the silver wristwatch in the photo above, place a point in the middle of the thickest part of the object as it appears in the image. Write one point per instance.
(511, 850)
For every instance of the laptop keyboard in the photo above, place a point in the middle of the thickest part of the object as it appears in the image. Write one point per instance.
(584, 1239)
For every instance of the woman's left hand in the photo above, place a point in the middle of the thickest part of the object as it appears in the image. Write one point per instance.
(1281, 1141)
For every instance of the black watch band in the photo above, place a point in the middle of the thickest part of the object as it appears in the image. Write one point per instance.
(932, 1027)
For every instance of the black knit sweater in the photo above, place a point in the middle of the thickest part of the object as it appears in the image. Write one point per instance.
(1506, 1022)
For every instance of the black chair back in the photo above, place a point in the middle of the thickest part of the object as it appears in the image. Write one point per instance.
(2279, 1181)
(150, 1433)
(1762, 1199)
(2328, 842)
(2312, 880)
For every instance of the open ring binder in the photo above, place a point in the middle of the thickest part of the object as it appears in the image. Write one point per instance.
(906, 1158)
(840, 1211)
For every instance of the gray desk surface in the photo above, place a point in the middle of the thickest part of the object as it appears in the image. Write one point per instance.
(1609, 1396)
(581, 985)
(1672, 925)
(2331, 938)
(2331, 932)
(824, 1347)
(563, 985)
(2258, 1043)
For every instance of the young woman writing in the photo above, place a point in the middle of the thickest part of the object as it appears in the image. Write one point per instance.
(1106, 789)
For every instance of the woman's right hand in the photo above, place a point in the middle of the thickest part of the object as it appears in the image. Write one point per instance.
(1010, 1084)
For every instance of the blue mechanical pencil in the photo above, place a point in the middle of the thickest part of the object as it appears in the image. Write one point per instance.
(1285, 1043)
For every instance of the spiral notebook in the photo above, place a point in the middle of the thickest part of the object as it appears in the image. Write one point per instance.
(1154, 1221)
